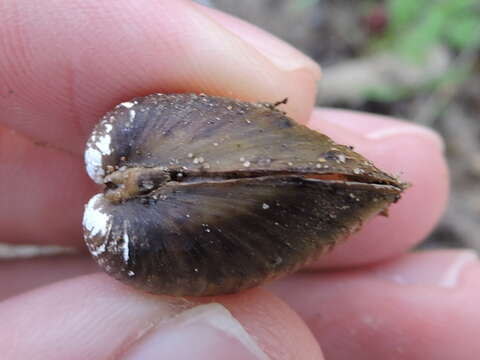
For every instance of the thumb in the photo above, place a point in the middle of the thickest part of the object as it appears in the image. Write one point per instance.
(93, 317)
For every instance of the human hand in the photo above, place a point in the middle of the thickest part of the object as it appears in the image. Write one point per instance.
(64, 64)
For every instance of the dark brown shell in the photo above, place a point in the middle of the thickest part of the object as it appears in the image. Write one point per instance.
(207, 195)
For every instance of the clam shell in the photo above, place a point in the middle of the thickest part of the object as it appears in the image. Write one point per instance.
(208, 195)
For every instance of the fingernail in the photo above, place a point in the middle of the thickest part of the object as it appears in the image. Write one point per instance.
(380, 128)
(203, 332)
(408, 130)
(280, 53)
(434, 268)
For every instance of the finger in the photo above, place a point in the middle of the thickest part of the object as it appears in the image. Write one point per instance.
(64, 64)
(43, 191)
(421, 306)
(92, 317)
(410, 151)
(29, 274)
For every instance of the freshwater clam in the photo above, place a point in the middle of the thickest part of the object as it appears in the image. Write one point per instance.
(208, 195)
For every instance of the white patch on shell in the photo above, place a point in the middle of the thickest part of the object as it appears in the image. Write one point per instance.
(104, 144)
(127, 104)
(97, 223)
(126, 240)
(93, 162)
(99, 250)
(97, 147)
(131, 114)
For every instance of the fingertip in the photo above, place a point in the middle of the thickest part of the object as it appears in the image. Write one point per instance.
(282, 54)
(373, 126)
(64, 64)
(100, 54)
(280, 331)
(409, 308)
(413, 153)
(94, 316)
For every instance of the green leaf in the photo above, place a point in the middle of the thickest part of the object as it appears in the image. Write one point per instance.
(419, 38)
(403, 11)
(385, 93)
(464, 34)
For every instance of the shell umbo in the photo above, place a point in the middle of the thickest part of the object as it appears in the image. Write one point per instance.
(208, 195)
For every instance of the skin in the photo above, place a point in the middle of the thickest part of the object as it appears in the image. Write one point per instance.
(63, 66)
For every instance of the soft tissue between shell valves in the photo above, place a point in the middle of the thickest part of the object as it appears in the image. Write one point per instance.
(181, 216)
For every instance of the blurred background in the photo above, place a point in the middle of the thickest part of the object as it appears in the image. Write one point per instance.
(414, 59)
